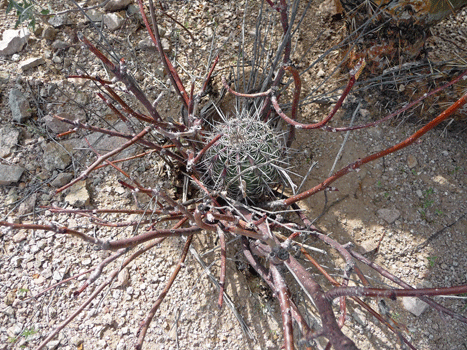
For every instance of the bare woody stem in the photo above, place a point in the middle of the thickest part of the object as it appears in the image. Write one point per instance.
(144, 328)
(121, 75)
(356, 165)
(403, 109)
(354, 74)
(392, 293)
(161, 149)
(397, 280)
(102, 158)
(96, 292)
(170, 70)
(284, 303)
(331, 329)
(239, 94)
(110, 245)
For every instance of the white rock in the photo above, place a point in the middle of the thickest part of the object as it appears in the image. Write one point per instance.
(59, 20)
(31, 63)
(113, 21)
(79, 195)
(414, 305)
(13, 41)
(389, 215)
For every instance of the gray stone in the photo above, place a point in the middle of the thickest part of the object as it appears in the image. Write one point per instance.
(147, 44)
(414, 305)
(57, 126)
(57, 59)
(10, 174)
(55, 157)
(389, 215)
(60, 44)
(28, 205)
(13, 41)
(59, 20)
(61, 180)
(79, 195)
(19, 106)
(106, 143)
(9, 138)
(117, 5)
(113, 21)
(49, 33)
(411, 161)
(31, 63)
(94, 15)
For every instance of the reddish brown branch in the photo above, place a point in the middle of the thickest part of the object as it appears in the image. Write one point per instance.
(144, 328)
(402, 110)
(170, 70)
(284, 304)
(239, 94)
(392, 293)
(221, 235)
(121, 75)
(356, 165)
(397, 280)
(354, 74)
(104, 157)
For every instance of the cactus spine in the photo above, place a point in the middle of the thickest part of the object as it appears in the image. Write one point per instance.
(246, 160)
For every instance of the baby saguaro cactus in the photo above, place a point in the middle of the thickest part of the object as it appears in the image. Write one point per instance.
(247, 161)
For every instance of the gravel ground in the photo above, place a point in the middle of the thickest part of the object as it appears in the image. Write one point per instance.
(399, 202)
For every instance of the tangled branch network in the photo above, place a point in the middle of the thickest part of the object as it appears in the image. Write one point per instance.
(238, 182)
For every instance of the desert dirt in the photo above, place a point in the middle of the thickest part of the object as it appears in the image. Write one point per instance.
(411, 205)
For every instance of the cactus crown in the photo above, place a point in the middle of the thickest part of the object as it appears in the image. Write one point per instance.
(245, 161)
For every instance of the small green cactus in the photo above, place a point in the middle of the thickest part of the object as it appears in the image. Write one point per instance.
(246, 161)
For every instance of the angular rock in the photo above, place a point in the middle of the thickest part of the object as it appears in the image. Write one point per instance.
(55, 157)
(59, 20)
(13, 41)
(411, 161)
(389, 215)
(9, 138)
(10, 174)
(113, 21)
(414, 305)
(79, 195)
(61, 180)
(60, 44)
(53, 344)
(117, 5)
(106, 143)
(31, 63)
(4, 77)
(49, 33)
(28, 205)
(20, 236)
(56, 125)
(94, 15)
(19, 106)
(147, 44)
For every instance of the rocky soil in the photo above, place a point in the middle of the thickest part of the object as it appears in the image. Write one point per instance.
(412, 204)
